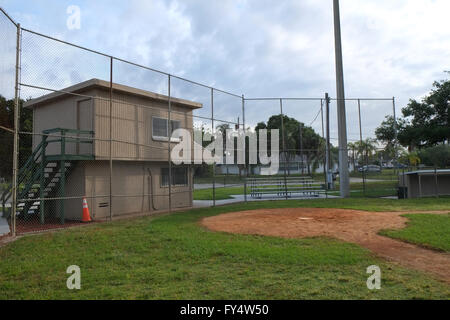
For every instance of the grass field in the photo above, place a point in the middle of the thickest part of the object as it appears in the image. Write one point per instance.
(173, 257)
(431, 231)
(373, 189)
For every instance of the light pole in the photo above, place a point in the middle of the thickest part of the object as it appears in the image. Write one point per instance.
(344, 181)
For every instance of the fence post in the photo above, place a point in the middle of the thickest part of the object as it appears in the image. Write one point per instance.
(284, 148)
(16, 135)
(327, 150)
(245, 149)
(169, 134)
(62, 164)
(363, 173)
(42, 180)
(436, 182)
(212, 131)
(395, 136)
(110, 138)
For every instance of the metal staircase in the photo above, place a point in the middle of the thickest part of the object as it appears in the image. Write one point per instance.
(43, 177)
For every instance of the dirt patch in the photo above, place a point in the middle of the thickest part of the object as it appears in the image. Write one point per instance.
(358, 227)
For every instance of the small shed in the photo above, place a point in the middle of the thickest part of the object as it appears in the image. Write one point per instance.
(425, 183)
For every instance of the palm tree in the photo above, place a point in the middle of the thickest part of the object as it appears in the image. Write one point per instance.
(366, 149)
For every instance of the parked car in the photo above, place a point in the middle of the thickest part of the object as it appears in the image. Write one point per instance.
(370, 168)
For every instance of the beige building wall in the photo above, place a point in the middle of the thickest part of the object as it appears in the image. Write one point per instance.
(69, 112)
(136, 188)
(132, 126)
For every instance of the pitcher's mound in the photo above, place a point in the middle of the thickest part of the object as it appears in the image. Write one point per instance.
(359, 227)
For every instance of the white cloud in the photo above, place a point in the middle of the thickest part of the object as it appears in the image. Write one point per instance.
(263, 48)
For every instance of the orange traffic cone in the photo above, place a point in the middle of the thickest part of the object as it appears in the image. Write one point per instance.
(86, 215)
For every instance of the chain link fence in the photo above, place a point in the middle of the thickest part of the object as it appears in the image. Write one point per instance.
(101, 129)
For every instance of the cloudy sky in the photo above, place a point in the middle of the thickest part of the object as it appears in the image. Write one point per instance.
(259, 48)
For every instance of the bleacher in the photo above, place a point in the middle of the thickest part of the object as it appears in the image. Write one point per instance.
(284, 187)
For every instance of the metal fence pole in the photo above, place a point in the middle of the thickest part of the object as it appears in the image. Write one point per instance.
(212, 131)
(395, 136)
(436, 183)
(169, 134)
(361, 142)
(324, 163)
(16, 135)
(110, 138)
(327, 150)
(284, 147)
(245, 149)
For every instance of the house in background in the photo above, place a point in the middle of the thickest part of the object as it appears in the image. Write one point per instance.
(139, 152)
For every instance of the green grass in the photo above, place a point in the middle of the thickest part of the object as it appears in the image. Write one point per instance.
(173, 257)
(427, 230)
(373, 189)
(221, 193)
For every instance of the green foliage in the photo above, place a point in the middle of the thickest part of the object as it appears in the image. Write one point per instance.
(311, 145)
(362, 152)
(437, 156)
(6, 137)
(425, 123)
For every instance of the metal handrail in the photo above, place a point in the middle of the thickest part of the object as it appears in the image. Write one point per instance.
(31, 163)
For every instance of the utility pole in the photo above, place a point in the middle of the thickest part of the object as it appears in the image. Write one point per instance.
(344, 181)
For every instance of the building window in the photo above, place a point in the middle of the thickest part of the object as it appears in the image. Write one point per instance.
(179, 176)
(160, 130)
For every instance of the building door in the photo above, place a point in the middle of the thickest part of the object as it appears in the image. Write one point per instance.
(84, 122)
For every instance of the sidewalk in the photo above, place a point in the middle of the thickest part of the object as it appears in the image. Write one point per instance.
(4, 226)
(241, 198)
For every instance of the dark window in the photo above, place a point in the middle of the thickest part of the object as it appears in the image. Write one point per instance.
(179, 176)
(159, 127)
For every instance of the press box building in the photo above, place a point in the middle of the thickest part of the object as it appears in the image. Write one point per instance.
(139, 149)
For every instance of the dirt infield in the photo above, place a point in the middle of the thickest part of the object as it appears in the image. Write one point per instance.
(360, 227)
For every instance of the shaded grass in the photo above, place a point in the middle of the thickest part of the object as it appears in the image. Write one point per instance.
(428, 230)
(173, 257)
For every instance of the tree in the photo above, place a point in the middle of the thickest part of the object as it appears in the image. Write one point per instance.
(312, 144)
(427, 123)
(437, 156)
(365, 150)
(6, 137)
